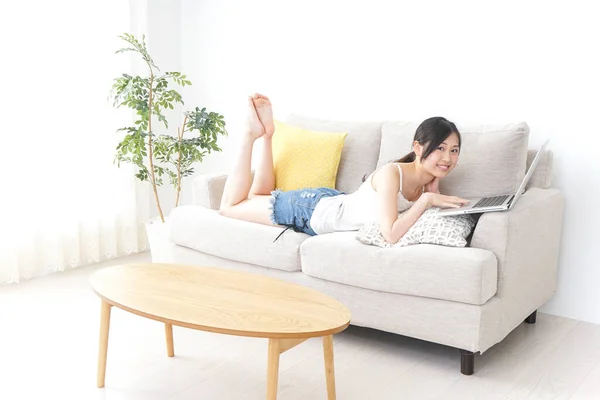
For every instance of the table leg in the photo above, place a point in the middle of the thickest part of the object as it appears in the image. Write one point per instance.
(273, 369)
(329, 370)
(169, 335)
(103, 347)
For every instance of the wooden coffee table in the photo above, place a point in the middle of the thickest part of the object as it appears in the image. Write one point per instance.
(222, 301)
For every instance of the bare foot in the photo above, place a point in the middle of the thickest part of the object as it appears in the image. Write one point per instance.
(254, 128)
(265, 113)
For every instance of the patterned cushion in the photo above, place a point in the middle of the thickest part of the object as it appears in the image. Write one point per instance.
(304, 159)
(429, 228)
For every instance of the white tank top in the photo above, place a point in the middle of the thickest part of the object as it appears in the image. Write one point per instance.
(350, 212)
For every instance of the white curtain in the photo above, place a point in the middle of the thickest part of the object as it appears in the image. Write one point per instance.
(63, 202)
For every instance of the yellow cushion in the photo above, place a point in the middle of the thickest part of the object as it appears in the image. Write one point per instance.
(305, 159)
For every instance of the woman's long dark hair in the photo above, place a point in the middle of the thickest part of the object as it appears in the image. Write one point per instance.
(431, 133)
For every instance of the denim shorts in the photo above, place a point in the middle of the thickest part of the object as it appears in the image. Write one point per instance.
(294, 208)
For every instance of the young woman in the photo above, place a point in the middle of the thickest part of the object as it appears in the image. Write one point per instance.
(410, 183)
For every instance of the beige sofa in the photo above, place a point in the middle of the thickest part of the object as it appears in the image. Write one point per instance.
(468, 298)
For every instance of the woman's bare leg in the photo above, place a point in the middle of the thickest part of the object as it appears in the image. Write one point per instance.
(264, 178)
(256, 209)
(238, 200)
(239, 180)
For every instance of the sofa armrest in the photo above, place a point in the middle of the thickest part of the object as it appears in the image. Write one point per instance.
(208, 189)
(526, 242)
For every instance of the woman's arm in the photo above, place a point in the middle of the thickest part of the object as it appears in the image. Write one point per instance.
(433, 186)
(387, 186)
(393, 232)
(386, 183)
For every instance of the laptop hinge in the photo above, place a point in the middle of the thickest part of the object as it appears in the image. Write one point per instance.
(510, 201)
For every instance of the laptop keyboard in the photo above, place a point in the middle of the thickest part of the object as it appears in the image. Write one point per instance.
(491, 201)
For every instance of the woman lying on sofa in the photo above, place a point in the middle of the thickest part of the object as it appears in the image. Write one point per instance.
(410, 183)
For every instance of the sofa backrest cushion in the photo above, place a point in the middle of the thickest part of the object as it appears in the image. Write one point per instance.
(492, 160)
(361, 147)
(542, 176)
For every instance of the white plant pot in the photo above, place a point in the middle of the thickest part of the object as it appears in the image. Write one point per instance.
(161, 247)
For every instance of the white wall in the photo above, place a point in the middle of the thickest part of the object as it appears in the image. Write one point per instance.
(466, 60)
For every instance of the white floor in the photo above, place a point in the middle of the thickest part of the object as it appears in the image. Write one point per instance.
(49, 344)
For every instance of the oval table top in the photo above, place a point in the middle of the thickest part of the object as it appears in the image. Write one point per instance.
(221, 301)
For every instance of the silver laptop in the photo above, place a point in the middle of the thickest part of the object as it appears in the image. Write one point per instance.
(497, 203)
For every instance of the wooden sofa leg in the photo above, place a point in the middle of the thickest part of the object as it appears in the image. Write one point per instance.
(531, 318)
(467, 362)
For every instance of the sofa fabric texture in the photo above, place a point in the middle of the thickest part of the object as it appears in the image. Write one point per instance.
(467, 275)
(542, 176)
(205, 230)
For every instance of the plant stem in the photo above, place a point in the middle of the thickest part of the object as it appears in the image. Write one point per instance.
(180, 136)
(150, 155)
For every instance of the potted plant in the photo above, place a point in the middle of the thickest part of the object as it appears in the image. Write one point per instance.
(159, 156)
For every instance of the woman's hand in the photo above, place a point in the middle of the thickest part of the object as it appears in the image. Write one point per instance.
(440, 200)
(433, 186)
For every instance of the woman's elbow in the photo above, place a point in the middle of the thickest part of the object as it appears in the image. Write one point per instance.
(388, 235)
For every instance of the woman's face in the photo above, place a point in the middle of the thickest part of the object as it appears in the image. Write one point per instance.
(443, 159)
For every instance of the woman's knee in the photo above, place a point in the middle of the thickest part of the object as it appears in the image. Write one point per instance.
(225, 210)
(226, 206)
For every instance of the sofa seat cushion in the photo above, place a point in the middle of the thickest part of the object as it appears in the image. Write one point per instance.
(205, 230)
(466, 275)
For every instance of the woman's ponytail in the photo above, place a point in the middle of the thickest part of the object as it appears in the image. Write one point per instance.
(410, 157)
